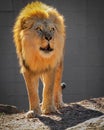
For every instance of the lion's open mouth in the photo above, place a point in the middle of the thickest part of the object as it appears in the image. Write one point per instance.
(46, 49)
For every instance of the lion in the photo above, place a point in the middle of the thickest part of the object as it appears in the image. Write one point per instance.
(39, 37)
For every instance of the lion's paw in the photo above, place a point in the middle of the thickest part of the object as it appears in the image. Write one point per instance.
(48, 109)
(59, 105)
(32, 114)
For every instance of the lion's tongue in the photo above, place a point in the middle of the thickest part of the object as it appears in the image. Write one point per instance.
(48, 48)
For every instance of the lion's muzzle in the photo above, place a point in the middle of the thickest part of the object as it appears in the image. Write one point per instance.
(48, 37)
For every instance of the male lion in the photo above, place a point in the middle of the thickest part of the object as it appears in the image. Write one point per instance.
(39, 36)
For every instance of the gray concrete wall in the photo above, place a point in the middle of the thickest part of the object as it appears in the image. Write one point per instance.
(84, 55)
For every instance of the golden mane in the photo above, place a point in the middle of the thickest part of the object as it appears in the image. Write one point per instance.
(36, 10)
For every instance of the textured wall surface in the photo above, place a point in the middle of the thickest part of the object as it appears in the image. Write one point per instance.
(84, 55)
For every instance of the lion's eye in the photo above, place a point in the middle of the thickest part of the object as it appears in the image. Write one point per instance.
(52, 29)
(38, 29)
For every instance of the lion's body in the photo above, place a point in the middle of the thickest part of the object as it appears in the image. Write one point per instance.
(39, 35)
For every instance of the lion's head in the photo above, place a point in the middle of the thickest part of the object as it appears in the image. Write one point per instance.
(39, 31)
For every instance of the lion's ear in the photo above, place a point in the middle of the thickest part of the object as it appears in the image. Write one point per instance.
(26, 23)
(23, 23)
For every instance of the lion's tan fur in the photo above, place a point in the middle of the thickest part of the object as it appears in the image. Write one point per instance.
(41, 65)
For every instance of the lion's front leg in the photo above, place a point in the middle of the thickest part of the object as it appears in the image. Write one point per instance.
(48, 99)
(58, 87)
(32, 91)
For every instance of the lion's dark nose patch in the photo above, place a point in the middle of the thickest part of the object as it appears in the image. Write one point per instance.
(48, 37)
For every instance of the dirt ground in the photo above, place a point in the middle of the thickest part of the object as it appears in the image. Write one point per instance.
(84, 115)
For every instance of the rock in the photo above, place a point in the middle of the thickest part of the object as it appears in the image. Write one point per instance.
(83, 115)
(8, 109)
(92, 124)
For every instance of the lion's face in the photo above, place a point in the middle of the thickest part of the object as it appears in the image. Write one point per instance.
(43, 35)
(45, 32)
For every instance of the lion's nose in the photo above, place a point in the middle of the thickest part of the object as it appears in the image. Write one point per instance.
(48, 37)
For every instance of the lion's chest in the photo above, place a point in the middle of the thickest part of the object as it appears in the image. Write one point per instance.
(38, 63)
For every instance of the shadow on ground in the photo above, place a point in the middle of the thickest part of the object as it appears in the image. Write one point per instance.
(69, 116)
